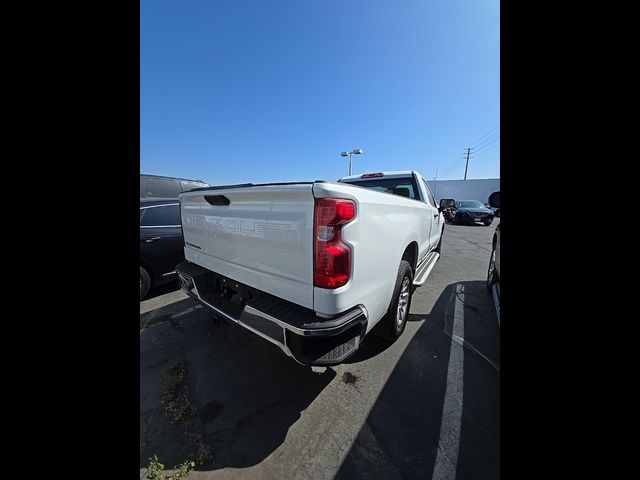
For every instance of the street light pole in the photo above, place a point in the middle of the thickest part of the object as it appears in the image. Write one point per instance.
(357, 151)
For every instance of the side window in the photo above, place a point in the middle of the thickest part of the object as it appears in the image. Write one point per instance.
(168, 216)
(430, 196)
(160, 187)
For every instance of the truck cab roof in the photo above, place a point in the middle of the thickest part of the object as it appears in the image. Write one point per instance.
(389, 174)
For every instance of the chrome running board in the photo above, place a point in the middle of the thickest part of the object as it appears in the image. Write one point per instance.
(425, 268)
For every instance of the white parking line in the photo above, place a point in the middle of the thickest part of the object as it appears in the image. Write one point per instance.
(449, 443)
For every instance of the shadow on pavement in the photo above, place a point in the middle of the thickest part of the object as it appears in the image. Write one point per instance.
(156, 291)
(167, 312)
(401, 434)
(244, 392)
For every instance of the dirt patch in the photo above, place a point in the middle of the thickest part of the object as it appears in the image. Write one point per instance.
(349, 378)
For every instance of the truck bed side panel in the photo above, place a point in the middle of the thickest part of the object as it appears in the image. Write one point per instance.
(384, 226)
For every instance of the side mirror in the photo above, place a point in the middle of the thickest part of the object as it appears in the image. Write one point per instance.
(494, 199)
(446, 203)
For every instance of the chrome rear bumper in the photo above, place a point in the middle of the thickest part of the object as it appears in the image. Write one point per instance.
(297, 331)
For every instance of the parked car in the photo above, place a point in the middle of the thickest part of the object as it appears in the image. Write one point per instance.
(472, 211)
(166, 187)
(495, 210)
(312, 267)
(448, 208)
(493, 274)
(161, 243)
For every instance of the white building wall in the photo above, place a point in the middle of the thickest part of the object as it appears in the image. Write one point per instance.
(475, 189)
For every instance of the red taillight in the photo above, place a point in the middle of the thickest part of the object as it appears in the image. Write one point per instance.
(372, 175)
(332, 257)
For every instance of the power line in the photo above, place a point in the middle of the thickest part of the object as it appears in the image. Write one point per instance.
(487, 149)
(451, 165)
(455, 167)
(475, 141)
(480, 145)
(487, 140)
(496, 141)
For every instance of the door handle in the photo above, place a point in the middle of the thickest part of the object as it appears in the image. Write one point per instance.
(436, 215)
(150, 240)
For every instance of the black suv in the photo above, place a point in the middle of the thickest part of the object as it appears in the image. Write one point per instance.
(161, 241)
(166, 187)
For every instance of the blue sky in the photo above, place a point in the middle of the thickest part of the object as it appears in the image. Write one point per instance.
(272, 90)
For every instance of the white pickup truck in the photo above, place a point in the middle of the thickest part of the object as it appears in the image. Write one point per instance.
(312, 267)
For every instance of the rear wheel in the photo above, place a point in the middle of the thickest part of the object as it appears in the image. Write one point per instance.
(393, 323)
(145, 283)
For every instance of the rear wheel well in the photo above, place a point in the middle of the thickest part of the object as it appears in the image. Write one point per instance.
(411, 255)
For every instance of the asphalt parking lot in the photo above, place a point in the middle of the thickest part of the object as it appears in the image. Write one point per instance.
(426, 406)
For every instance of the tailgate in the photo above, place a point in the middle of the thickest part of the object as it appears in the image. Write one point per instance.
(258, 235)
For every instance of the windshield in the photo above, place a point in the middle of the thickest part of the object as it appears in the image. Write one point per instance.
(470, 204)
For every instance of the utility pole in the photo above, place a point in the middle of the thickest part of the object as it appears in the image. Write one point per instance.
(467, 166)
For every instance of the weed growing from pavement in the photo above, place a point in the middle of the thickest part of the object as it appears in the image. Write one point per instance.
(177, 407)
(203, 453)
(155, 470)
(176, 403)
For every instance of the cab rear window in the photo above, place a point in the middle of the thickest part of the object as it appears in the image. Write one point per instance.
(403, 186)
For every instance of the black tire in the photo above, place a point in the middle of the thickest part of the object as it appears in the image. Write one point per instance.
(390, 329)
(491, 271)
(145, 283)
